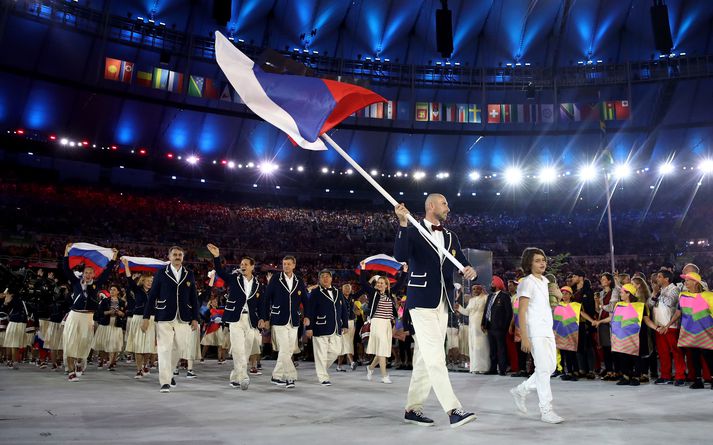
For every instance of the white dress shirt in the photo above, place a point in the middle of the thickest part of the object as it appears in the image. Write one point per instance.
(177, 272)
(437, 234)
(248, 289)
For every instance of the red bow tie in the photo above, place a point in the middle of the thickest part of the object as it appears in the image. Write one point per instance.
(434, 228)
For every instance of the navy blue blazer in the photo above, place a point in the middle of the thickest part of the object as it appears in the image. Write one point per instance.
(141, 297)
(104, 306)
(430, 277)
(169, 298)
(280, 305)
(326, 315)
(17, 310)
(89, 300)
(235, 302)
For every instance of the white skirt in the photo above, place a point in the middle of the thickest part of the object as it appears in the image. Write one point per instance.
(53, 336)
(15, 335)
(257, 342)
(380, 337)
(348, 339)
(194, 345)
(225, 332)
(29, 339)
(141, 342)
(215, 338)
(108, 338)
(78, 334)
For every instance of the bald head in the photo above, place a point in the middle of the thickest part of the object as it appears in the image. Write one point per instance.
(436, 207)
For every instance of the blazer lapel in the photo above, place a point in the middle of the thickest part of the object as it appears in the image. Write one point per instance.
(184, 274)
(325, 292)
(240, 283)
(284, 282)
(169, 272)
(428, 241)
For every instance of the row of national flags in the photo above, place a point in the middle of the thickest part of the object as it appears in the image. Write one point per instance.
(167, 80)
(205, 87)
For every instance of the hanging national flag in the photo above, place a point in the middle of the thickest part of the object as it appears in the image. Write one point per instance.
(608, 111)
(376, 110)
(142, 264)
(505, 113)
(622, 110)
(462, 116)
(96, 257)
(422, 111)
(112, 68)
(212, 89)
(434, 112)
(143, 79)
(195, 86)
(160, 78)
(473, 114)
(382, 263)
(494, 113)
(547, 113)
(225, 95)
(589, 111)
(390, 112)
(569, 112)
(303, 107)
(175, 82)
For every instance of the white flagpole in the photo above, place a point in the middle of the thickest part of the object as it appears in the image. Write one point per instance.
(393, 202)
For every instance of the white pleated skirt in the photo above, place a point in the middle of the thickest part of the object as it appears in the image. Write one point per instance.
(380, 337)
(139, 341)
(78, 334)
(15, 336)
(348, 339)
(215, 338)
(53, 336)
(109, 338)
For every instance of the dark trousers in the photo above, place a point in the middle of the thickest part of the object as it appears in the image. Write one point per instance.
(696, 354)
(626, 364)
(498, 350)
(585, 350)
(608, 359)
(569, 362)
(405, 351)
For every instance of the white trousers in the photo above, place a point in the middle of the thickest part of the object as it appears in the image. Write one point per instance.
(286, 337)
(241, 343)
(326, 350)
(429, 360)
(172, 340)
(544, 354)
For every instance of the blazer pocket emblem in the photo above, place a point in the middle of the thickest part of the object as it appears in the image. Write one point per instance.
(453, 252)
(188, 283)
(299, 292)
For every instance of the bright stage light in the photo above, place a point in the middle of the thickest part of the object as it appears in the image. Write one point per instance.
(300, 168)
(349, 171)
(706, 166)
(513, 176)
(231, 164)
(666, 169)
(474, 176)
(442, 175)
(587, 173)
(548, 175)
(64, 141)
(325, 170)
(374, 172)
(622, 171)
(268, 168)
(418, 175)
(192, 159)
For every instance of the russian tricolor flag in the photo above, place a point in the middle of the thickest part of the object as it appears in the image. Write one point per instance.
(303, 107)
(91, 255)
(382, 263)
(218, 282)
(142, 264)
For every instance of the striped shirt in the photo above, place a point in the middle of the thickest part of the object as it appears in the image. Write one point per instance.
(384, 308)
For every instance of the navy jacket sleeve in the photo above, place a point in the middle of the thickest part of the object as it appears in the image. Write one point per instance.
(310, 308)
(68, 272)
(267, 299)
(346, 307)
(396, 288)
(402, 246)
(219, 271)
(105, 274)
(364, 284)
(153, 293)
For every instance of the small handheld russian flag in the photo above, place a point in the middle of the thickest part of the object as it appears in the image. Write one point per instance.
(142, 264)
(217, 282)
(382, 263)
(91, 255)
(303, 107)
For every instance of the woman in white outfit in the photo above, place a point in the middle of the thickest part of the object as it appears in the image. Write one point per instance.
(479, 349)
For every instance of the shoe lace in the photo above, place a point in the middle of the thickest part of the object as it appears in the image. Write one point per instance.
(458, 412)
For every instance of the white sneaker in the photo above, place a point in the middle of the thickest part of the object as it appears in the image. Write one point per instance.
(551, 417)
(519, 400)
(369, 373)
(386, 379)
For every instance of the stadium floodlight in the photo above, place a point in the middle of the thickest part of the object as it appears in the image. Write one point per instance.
(442, 175)
(325, 170)
(622, 171)
(300, 168)
(192, 159)
(587, 173)
(548, 175)
(513, 176)
(268, 168)
(231, 164)
(374, 172)
(399, 174)
(666, 168)
(418, 175)
(706, 166)
(349, 171)
(474, 176)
